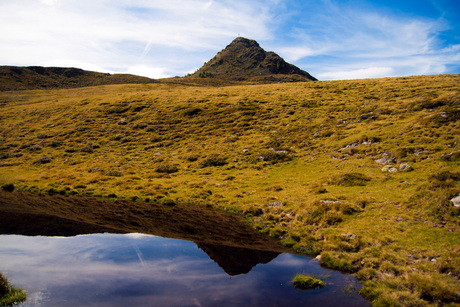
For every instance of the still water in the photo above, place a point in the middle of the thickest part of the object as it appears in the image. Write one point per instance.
(144, 270)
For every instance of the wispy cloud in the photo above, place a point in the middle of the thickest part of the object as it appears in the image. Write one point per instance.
(124, 36)
(331, 39)
(341, 42)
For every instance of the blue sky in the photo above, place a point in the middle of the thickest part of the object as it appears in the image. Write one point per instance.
(331, 39)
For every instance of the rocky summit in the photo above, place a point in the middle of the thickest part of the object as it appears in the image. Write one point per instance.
(244, 58)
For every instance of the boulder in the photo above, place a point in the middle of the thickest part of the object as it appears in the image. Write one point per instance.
(386, 160)
(456, 201)
(405, 167)
(389, 169)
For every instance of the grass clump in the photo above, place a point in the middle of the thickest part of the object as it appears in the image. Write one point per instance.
(351, 180)
(9, 187)
(10, 295)
(305, 282)
(167, 168)
(213, 160)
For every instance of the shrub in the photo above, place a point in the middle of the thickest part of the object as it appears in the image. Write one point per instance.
(274, 156)
(351, 180)
(43, 160)
(445, 176)
(307, 282)
(191, 111)
(167, 168)
(114, 173)
(4, 285)
(191, 158)
(168, 202)
(213, 160)
(9, 187)
(35, 148)
(10, 295)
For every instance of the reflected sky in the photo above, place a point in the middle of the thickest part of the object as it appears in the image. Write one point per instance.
(143, 270)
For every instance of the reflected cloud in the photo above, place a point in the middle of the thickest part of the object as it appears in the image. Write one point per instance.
(120, 270)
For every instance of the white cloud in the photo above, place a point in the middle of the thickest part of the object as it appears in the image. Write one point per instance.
(123, 36)
(160, 38)
(369, 72)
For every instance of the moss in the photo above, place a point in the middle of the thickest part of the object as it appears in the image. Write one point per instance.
(337, 262)
(307, 282)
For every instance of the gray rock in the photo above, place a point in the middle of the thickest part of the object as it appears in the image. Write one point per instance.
(456, 201)
(389, 169)
(123, 121)
(276, 204)
(349, 236)
(405, 167)
(386, 160)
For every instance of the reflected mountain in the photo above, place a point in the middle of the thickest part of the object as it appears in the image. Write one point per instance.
(233, 245)
(236, 260)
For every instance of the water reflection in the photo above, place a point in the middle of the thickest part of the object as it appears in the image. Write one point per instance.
(221, 262)
(142, 270)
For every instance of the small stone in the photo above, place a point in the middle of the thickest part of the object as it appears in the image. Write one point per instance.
(443, 114)
(456, 201)
(349, 236)
(276, 204)
(123, 121)
(318, 258)
(389, 169)
(433, 260)
(405, 167)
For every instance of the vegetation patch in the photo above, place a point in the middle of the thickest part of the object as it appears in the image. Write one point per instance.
(305, 282)
(351, 180)
(214, 160)
(10, 295)
(301, 160)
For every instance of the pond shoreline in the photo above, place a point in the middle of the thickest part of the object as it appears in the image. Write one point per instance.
(201, 224)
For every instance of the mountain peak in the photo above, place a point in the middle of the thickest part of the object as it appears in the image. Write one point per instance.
(244, 58)
(248, 43)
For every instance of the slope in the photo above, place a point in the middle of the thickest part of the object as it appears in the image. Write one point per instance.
(37, 77)
(244, 59)
(361, 172)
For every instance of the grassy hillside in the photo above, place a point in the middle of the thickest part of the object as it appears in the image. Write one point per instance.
(298, 160)
(37, 77)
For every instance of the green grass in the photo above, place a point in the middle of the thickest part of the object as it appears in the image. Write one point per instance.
(298, 159)
(307, 282)
(10, 295)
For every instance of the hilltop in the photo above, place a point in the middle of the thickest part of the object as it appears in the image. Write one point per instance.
(244, 59)
(360, 172)
(37, 77)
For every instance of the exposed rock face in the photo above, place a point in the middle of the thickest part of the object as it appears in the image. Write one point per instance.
(245, 57)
